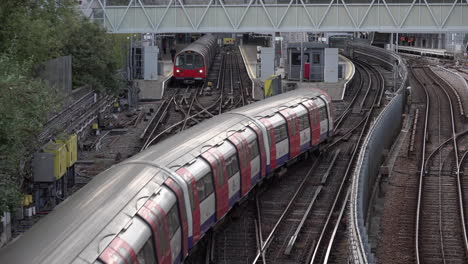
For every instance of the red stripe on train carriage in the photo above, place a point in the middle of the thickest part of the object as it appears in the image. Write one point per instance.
(156, 208)
(196, 225)
(151, 219)
(182, 212)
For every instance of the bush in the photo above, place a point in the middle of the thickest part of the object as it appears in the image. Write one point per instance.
(24, 102)
(31, 32)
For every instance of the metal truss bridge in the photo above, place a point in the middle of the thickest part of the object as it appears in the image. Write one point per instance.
(191, 16)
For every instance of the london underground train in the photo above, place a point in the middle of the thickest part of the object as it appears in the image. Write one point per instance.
(193, 62)
(156, 206)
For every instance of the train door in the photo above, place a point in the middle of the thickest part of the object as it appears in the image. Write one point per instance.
(262, 156)
(241, 145)
(198, 174)
(218, 168)
(314, 119)
(194, 227)
(154, 213)
(180, 213)
(293, 132)
(322, 109)
(304, 127)
(280, 139)
(232, 170)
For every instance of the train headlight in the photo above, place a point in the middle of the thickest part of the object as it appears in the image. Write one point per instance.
(200, 71)
(177, 70)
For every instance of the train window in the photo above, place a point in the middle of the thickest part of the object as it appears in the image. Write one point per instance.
(188, 59)
(146, 254)
(180, 60)
(232, 166)
(253, 149)
(303, 122)
(190, 190)
(280, 133)
(293, 126)
(322, 113)
(205, 186)
(173, 220)
(198, 61)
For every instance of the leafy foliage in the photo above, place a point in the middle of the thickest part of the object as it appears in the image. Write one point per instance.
(23, 104)
(31, 32)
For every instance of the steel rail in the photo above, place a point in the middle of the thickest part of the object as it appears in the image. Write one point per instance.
(143, 134)
(455, 146)
(267, 242)
(422, 166)
(425, 162)
(160, 119)
(337, 225)
(343, 182)
(367, 91)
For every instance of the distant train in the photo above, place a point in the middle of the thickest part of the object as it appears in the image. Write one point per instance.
(156, 206)
(194, 61)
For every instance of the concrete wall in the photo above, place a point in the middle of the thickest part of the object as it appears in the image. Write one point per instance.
(380, 138)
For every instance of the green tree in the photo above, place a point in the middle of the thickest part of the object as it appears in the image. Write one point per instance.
(24, 103)
(31, 32)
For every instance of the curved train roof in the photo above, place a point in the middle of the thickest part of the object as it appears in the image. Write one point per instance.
(80, 227)
(201, 45)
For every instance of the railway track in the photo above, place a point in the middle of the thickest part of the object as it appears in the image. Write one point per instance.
(76, 117)
(184, 107)
(440, 227)
(299, 215)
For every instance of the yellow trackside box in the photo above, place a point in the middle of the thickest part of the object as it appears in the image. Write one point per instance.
(60, 158)
(228, 41)
(71, 144)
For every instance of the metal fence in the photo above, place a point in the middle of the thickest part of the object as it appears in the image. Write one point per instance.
(380, 137)
(58, 73)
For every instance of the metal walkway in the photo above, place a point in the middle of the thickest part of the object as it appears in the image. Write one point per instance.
(189, 16)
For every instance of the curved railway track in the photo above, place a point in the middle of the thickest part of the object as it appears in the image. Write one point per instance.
(440, 228)
(298, 217)
(184, 107)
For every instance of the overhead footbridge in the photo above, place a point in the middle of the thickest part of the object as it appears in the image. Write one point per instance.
(191, 16)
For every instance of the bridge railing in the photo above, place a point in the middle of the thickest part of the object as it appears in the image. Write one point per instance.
(380, 137)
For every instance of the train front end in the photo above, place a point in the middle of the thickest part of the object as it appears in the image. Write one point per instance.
(189, 67)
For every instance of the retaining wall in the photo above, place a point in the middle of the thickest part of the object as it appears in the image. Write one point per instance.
(381, 136)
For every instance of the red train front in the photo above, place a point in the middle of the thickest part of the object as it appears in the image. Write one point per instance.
(193, 62)
(189, 65)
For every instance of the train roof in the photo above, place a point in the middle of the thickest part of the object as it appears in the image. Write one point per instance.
(201, 44)
(190, 143)
(84, 224)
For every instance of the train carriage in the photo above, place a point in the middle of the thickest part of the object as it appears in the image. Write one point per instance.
(193, 62)
(156, 206)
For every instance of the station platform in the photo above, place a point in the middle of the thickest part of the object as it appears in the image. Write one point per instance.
(154, 90)
(335, 90)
